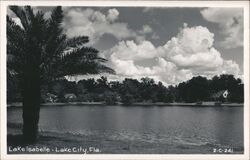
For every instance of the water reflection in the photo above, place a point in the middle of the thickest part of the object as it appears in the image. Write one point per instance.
(169, 125)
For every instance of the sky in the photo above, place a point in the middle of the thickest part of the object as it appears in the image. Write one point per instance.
(171, 45)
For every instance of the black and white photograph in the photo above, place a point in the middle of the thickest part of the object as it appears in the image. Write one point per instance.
(125, 79)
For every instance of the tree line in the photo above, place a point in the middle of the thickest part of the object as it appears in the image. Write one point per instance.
(130, 90)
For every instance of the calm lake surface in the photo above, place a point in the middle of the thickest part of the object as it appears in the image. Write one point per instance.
(179, 127)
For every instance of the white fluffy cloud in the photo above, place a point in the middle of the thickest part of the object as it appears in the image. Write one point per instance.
(129, 50)
(189, 53)
(230, 21)
(95, 24)
(112, 14)
(192, 48)
(146, 29)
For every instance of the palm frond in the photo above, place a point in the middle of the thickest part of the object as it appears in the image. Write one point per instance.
(13, 65)
(81, 61)
(54, 35)
(54, 24)
(13, 29)
(20, 13)
(57, 16)
(15, 43)
(89, 67)
(76, 41)
(29, 14)
(80, 54)
(103, 68)
(39, 27)
(12, 25)
(42, 44)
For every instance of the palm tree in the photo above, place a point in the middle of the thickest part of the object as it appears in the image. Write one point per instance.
(39, 52)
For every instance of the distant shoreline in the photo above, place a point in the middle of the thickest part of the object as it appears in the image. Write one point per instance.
(205, 104)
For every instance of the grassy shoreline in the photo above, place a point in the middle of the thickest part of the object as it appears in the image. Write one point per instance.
(136, 104)
(59, 141)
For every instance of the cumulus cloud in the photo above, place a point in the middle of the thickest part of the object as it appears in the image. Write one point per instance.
(146, 29)
(129, 50)
(192, 48)
(95, 24)
(188, 54)
(112, 14)
(230, 21)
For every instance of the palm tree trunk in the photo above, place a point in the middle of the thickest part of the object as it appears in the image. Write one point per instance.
(31, 106)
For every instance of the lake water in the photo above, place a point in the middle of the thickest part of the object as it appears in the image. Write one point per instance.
(164, 127)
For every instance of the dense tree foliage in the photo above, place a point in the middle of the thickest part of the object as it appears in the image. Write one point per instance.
(196, 89)
(129, 91)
